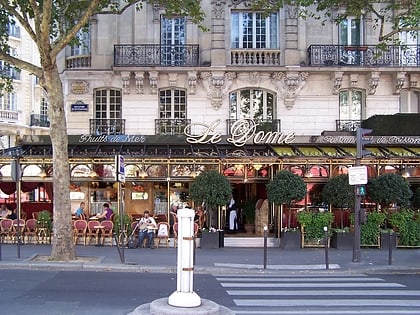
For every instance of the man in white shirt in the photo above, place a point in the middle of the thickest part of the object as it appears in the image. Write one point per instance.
(147, 226)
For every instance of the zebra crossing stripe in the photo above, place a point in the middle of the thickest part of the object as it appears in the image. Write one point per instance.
(326, 312)
(323, 293)
(278, 267)
(293, 279)
(311, 285)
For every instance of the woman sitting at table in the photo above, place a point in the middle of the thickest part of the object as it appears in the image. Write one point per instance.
(106, 214)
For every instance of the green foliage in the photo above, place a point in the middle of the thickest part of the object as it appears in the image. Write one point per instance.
(369, 232)
(286, 188)
(401, 15)
(338, 192)
(407, 223)
(390, 188)
(212, 188)
(126, 222)
(44, 219)
(314, 222)
(248, 209)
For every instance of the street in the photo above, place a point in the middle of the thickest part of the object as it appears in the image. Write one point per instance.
(79, 293)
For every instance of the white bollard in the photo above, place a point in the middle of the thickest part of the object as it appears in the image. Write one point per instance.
(184, 296)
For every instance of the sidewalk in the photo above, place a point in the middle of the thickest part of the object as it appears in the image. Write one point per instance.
(217, 261)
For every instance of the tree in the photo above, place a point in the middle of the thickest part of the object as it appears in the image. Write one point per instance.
(339, 193)
(401, 15)
(387, 189)
(213, 189)
(52, 25)
(286, 188)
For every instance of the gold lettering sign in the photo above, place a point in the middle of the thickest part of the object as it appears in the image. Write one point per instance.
(243, 131)
(79, 87)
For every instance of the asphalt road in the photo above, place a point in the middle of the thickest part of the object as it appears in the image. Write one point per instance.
(80, 293)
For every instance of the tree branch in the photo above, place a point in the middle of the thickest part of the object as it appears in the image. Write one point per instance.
(21, 64)
(24, 21)
(398, 30)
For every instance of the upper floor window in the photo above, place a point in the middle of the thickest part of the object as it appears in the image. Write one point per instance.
(254, 30)
(351, 103)
(9, 70)
(172, 37)
(83, 48)
(351, 31)
(172, 111)
(107, 112)
(13, 30)
(8, 102)
(44, 106)
(409, 101)
(255, 104)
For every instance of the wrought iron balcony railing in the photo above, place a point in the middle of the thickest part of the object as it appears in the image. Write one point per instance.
(254, 57)
(156, 55)
(347, 125)
(261, 125)
(103, 126)
(370, 56)
(171, 126)
(81, 61)
(38, 120)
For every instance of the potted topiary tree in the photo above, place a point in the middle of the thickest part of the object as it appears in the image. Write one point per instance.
(340, 194)
(214, 190)
(286, 188)
(389, 190)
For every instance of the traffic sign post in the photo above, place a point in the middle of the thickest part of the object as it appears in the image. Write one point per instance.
(358, 175)
(120, 178)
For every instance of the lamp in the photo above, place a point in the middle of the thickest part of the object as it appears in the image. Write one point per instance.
(42, 173)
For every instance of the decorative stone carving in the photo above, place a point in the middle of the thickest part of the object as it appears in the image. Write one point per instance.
(217, 84)
(254, 77)
(192, 82)
(153, 81)
(354, 80)
(172, 78)
(218, 8)
(156, 12)
(125, 78)
(290, 84)
(337, 78)
(246, 3)
(414, 78)
(373, 81)
(139, 76)
(79, 87)
(292, 12)
(399, 82)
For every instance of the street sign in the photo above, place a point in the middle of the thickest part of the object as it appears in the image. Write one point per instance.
(358, 175)
(120, 168)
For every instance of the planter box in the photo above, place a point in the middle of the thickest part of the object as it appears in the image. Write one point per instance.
(210, 240)
(385, 241)
(342, 240)
(290, 240)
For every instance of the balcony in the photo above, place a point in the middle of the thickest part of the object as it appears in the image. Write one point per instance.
(156, 55)
(77, 62)
(101, 126)
(171, 126)
(347, 125)
(254, 57)
(8, 115)
(365, 56)
(38, 120)
(261, 125)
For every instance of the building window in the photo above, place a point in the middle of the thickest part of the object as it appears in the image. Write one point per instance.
(351, 104)
(9, 70)
(44, 107)
(253, 104)
(9, 102)
(173, 34)
(172, 112)
(254, 30)
(13, 30)
(351, 31)
(410, 102)
(83, 47)
(107, 112)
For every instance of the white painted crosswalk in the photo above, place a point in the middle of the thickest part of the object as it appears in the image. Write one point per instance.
(319, 294)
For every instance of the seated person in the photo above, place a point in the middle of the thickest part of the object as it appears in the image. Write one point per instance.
(106, 214)
(147, 226)
(4, 212)
(79, 213)
(13, 214)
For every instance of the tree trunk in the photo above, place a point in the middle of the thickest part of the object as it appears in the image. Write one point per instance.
(62, 244)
